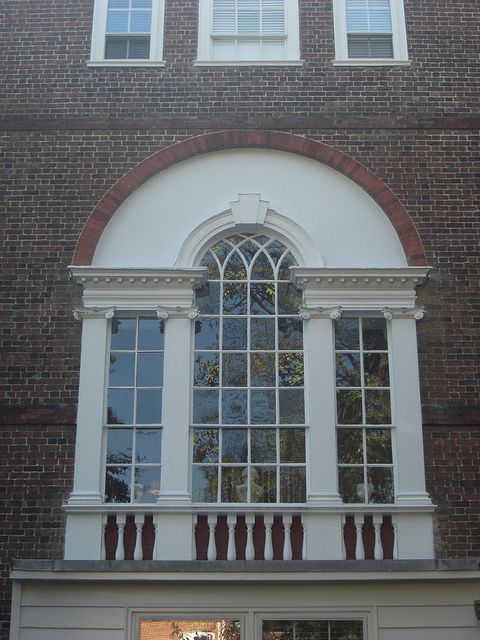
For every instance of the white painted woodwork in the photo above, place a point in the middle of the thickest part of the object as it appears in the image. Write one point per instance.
(346, 225)
(83, 536)
(231, 548)
(268, 547)
(249, 548)
(287, 541)
(138, 551)
(120, 549)
(359, 549)
(212, 546)
(174, 536)
(378, 548)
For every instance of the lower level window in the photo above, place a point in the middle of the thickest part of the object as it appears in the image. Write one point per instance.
(189, 630)
(312, 630)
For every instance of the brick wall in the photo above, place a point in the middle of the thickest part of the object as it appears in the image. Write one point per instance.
(69, 131)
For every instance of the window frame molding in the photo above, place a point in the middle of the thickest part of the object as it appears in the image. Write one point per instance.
(292, 47)
(97, 50)
(399, 38)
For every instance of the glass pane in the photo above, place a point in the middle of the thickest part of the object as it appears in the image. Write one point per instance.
(116, 48)
(234, 333)
(139, 47)
(290, 369)
(262, 269)
(234, 445)
(349, 407)
(207, 333)
(146, 487)
(189, 630)
(374, 334)
(140, 21)
(234, 484)
(149, 369)
(234, 372)
(117, 484)
(347, 335)
(262, 369)
(148, 445)
(292, 445)
(312, 630)
(290, 333)
(264, 445)
(123, 334)
(276, 249)
(289, 298)
(204, 484)
(376, 369)
(346, 630)
(292, 406)
(351, 485)
(287, 262)
(205, 445)
(119, 446)
(292, 484)
(262, 298)
(207, 369)
(234, 406)
(235, 298)
(262, 406)
(122, 369)
(380, 485)
(149, 406)
(350, 446)
(212, 266)
(348, 369)
(141, 4)
(263, 484)
(235, 269)
(379, 446)
(277, 630)
(208, 299)
(117, 22)
(249, 250)
(120, 406)
(377, 406)
(205, 406)
(221, 250)
(262, 333)
(118, 4)
(150, 334)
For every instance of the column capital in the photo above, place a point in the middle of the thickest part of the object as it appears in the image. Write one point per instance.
(413, 313)
(163, 312)
(320, 312)
(82, 313)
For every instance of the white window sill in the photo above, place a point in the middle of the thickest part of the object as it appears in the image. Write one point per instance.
(125, 63)
(247, 63)
(371, 62)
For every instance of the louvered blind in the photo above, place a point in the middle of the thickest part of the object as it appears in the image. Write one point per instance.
(248, 17)
(369, 29)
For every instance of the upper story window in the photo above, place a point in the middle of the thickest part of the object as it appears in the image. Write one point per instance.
(248, 31)
(248, 387)
(370, 31)
(127, 32)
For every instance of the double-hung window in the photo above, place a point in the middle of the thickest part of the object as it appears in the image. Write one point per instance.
(127, 32)
(248, 31)
(370, 31)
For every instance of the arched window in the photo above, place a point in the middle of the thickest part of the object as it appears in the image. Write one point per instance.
(248, 381)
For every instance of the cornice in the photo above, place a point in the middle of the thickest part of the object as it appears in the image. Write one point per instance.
(326, 279)
(125, 278)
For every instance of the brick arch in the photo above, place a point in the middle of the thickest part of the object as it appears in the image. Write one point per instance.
(274, 140)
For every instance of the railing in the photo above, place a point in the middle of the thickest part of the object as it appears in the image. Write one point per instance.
(244, 535)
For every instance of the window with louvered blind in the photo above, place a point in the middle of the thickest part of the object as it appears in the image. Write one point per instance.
(248, 31)
(127, 32)
(370, 31)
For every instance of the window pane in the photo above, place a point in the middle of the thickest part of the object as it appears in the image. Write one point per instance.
(379, 446)
(149, 406)
(234, 298)
(347, 337)
(262, 406)
(205, 406)
(292, 445)
(290, 333)
(262, 334)
(123, 334)
(374, 334)
(150, 334)
(205, 445)
(234, 406)
(120, 406)
(207, 333)
(234, 333)
(234, 373)
(140, 21)
(349, 407)
(235, 268)
(376, 369)
(189, 629)
(290, 369)
(204, 484)
(289, 298)
(380, 485)
(117, 22)
(351, 485)
(263, 484)
(148, 446)
(264, 445)
(122, 369)
(146, 487)
(312, 630)
(149, 369)
(292, 484)
(234, 445)
(262, 369)
(119, 446)
(212, 266)
(207, 370)
(234, 484)
(117, 484)
(208, 298)
(116, 48)
(377, 405)
(292, 406)
(346, 630)
(350, 446)
(262, 298)
(348, 369)
(262, 269)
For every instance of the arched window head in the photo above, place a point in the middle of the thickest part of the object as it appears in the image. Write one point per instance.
(248, 381)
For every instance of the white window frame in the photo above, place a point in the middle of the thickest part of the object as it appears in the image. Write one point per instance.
(205, 53)
(399, 38)
(97, 52)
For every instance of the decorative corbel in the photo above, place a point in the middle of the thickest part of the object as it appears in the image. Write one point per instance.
(417, 313)
(81, 313)
(335, 313)
(176, 312)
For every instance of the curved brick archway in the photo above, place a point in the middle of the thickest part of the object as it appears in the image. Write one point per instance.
(277, 141)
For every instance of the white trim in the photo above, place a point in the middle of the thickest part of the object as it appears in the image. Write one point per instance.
(399, 37)
(97, 51)
(205, 53)
(248, 63)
